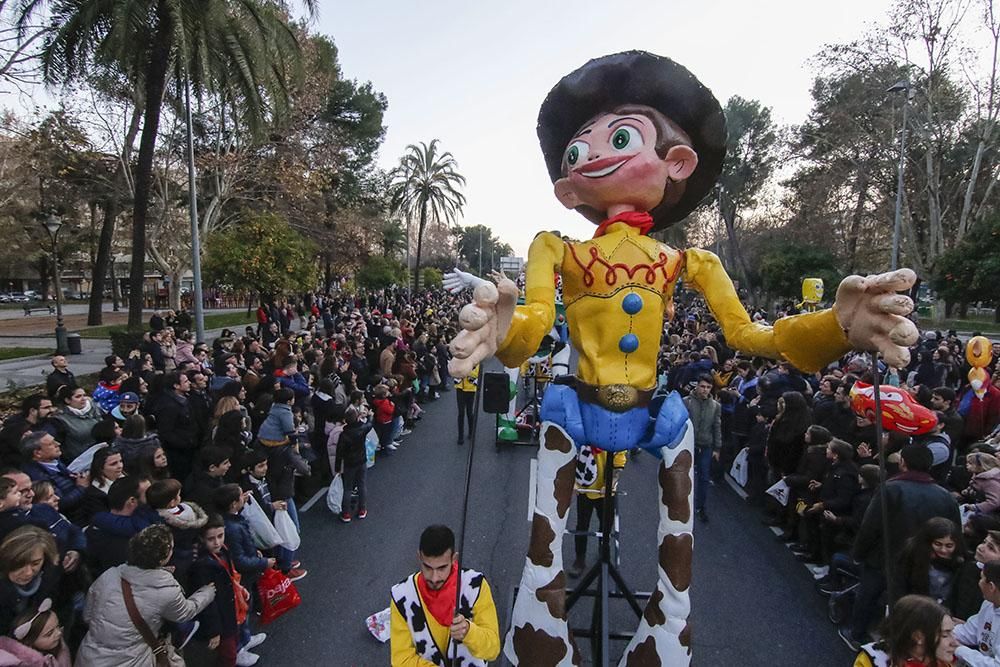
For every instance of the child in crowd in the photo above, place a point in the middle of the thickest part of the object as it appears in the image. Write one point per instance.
(219, 621)
(153, 463)
(37, 640)
(185, 520)
(69, 536)
(351, 462)
(10, 497)
(384, 412)
(229, 500)
(254, 480)
(931, 560)
(979, 637)
(208, 475)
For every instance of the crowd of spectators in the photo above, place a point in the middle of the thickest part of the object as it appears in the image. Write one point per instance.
(121, 504)
(942, 489)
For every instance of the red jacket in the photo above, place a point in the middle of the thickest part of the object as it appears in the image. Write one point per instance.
(384, 409)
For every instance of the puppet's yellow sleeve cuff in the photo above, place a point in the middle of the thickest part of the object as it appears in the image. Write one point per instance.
(535, 318)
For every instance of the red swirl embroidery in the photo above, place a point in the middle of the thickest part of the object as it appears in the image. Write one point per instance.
(611, 270)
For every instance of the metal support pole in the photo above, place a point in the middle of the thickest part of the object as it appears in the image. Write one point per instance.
(882, 453)
(899, 185)
(199, 312)
(62, 345)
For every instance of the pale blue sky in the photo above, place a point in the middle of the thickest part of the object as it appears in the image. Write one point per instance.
(473, 75)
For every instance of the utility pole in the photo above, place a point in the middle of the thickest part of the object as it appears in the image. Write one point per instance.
(199, 313)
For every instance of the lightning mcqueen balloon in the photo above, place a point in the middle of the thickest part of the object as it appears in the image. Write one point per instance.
(899, 411)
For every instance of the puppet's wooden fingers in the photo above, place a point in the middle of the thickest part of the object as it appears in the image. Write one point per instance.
(893, 304)
(892, 281)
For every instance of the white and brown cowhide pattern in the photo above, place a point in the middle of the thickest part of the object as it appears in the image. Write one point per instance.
(539, 635)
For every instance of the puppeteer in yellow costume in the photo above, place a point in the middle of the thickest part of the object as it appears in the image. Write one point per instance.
(634, 142)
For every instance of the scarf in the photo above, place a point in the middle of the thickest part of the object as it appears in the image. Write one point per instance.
(82, 412)
(640, 220)
(440, 603)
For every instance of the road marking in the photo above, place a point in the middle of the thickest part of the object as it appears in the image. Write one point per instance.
(315, 499)
(532, 476)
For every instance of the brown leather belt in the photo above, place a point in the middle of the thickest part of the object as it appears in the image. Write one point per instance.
(614, 397)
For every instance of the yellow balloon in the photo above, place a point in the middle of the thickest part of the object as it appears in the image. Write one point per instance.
(979, 352)
(812, 290)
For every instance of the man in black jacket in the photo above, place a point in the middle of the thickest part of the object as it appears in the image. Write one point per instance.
(35, 410)
(835, 494)
(912, 497)
(175, 425)
(60, 375)
(943, 400)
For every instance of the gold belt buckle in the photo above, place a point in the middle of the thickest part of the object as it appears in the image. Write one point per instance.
(618, 397)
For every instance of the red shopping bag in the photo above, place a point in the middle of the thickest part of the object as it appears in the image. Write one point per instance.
(277, 595)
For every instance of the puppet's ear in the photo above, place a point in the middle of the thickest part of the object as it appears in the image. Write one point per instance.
(681, 161)
(566, 194)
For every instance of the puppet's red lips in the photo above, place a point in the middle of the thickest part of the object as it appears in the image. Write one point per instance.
(603, 167)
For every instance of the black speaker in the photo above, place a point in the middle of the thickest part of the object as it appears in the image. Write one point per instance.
(496, 393)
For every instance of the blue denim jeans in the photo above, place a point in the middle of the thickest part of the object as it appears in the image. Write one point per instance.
(702, 470)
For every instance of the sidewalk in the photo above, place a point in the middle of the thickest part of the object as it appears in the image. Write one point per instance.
(32, 370)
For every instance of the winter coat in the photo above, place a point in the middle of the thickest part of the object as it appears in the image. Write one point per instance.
(840, 485)
(13, 603)
(784, 450)
(174, 422)
(987, 485)
(243, 550)
(15, 654)
(69, 536)
(351, 446)
(184, 353)
(76, 428)
(218, 618)
(132, 448)
(94, 500)
(706, 418)
(113, 640)
(185, 522)
(283, 461)
(912, 498)
(279, 423)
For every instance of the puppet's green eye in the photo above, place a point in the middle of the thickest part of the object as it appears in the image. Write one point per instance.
(577, 151)
(626, 136)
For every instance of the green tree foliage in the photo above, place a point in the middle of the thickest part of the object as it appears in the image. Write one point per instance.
(426, 187)
(431, 277)
(242, 47)
(477, 239)
(263, 254)
(751, 155)
(783, 267)
(970, 271)
(380, 272)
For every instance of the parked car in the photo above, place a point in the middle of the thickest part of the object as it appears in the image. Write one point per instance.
(32, 295)
(4, 297)
(19, 297)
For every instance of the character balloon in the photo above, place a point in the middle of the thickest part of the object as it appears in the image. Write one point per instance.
(979, 354)
(634, 142)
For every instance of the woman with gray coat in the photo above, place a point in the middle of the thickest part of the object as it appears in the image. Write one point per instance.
(113, 639)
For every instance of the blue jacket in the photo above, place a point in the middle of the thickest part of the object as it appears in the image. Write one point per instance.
(278, 424)
(70, 495)
(123, 526)
(69, 536)
(297, 383)
(242, 549)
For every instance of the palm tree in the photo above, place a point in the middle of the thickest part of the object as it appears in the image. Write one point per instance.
(425, 186)
(240, 49)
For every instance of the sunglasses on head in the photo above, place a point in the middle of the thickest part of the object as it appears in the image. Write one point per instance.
(21, 631)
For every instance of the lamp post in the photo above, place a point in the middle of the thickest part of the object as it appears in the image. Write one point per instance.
(902, 86)
(199, 313)
(52, 224)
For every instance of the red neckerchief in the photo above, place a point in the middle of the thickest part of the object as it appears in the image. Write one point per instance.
(440, 603)
(641, 220)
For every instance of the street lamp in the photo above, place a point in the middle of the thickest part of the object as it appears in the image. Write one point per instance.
(52, 224)
(902, 86)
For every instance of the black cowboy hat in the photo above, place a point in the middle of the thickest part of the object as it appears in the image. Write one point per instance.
(638, 77)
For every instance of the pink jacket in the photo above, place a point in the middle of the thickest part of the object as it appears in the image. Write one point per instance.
(13, 654)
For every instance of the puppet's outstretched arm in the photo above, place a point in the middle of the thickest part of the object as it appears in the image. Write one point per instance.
(809, 341)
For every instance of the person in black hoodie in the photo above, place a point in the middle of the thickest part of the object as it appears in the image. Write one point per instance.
(834, 494)
(352, 462)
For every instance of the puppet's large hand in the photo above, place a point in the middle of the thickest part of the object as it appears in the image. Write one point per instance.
(485, 323)
(872, 314)
(455, 281)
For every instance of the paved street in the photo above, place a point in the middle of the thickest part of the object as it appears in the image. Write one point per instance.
(754, 605)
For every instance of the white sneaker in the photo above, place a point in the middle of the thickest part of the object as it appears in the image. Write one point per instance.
(255, 641)
(405, 431)
(393, 446)
(245, 658)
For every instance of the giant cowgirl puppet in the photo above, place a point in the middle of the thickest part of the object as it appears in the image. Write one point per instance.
(634, 142)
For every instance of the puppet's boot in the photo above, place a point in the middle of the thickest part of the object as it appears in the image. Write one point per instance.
(664, 636)
(539, 634)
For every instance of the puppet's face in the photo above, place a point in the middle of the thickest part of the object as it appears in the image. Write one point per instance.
(612, 164)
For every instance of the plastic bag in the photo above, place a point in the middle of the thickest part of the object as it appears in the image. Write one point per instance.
(378, 625)
(371, 446)
(335, 495)
(739, 470)
(263, 530)
(278, 595)
(286, 529)
(780, 492)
